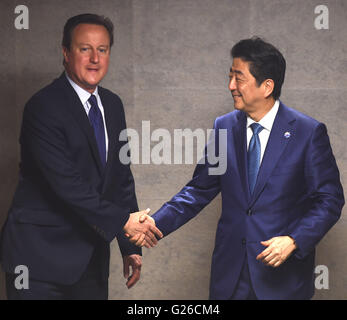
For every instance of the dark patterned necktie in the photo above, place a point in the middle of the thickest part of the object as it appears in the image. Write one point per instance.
(95, 118)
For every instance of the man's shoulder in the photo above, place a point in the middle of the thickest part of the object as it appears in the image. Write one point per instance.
(52, 92)
(302, 118)
(234, 117)
(230, 118)
(52, 100)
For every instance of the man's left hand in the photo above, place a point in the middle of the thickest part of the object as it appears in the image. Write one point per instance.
(278, 250)
(135, 261)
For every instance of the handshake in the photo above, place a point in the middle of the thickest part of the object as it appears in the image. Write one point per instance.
(141, 230)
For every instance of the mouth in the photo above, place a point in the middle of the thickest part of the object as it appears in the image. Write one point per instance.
(92, 69)
(236, 96)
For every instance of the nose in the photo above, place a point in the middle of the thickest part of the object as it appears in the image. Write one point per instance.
(94, 57)
(232, 84)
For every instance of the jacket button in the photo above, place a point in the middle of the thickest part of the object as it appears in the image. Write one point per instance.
(249, 212)
(243, 241)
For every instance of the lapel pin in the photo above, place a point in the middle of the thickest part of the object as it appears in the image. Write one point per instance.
(287, 135)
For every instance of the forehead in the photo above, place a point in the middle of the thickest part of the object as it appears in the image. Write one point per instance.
(240, 66)
(90, 32)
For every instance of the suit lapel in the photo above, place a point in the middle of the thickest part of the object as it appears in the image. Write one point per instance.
(276, 145)
(240, 141)
(76, 108)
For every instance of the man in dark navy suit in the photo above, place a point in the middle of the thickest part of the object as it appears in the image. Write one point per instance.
(74, 195)
(281, 191)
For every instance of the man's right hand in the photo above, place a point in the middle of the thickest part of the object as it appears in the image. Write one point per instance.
(141, 230)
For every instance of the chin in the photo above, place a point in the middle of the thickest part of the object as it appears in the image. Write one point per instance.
(92, 84)
(93, 80)
(238, 106)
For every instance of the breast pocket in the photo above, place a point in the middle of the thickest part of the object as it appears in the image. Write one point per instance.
(288, 169)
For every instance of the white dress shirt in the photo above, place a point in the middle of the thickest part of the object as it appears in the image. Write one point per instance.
(84, 96)
(266, 122)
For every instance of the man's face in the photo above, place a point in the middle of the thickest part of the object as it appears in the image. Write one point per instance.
(248, 96)
(87, 60)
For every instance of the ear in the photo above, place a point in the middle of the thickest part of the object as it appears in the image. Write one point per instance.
(66, 54)
(269, 86)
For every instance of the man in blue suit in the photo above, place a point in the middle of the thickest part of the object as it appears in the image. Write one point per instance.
(74, 195)
(281, 191)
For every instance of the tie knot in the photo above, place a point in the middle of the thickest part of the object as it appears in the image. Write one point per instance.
(92, 100)
(256, 128)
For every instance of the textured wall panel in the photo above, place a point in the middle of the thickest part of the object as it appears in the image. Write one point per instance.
(170, 65)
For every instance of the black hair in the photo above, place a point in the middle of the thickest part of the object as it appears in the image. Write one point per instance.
(87, 18)
(265, 61)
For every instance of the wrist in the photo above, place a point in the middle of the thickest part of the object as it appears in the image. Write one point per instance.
(294, 242)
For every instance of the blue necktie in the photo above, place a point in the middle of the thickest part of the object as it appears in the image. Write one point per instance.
(95, 118)
(254, 156)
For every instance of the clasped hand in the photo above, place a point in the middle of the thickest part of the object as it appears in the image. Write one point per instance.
(141, 230)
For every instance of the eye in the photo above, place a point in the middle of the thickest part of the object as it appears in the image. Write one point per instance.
(103, 50)
(84, 49)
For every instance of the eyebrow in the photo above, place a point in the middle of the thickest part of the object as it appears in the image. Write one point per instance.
(236, 71)
(87, 44)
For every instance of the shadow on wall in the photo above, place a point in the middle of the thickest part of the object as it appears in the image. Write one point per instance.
(15, 91)
(8, 170)
(9, 132)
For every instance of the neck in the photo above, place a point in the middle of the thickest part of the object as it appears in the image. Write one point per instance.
(261, 111)
(85, 87)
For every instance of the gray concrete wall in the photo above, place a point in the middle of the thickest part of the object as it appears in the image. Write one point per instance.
(170, 65)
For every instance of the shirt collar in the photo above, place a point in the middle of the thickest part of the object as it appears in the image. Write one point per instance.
(84, 95)
(267, 121)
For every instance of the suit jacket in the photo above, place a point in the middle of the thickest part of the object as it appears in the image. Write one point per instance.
(297, 193)
(66, 203)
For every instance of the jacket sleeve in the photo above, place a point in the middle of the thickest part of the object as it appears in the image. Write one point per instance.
(194, 196)
(325, 194)
(127, 198)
